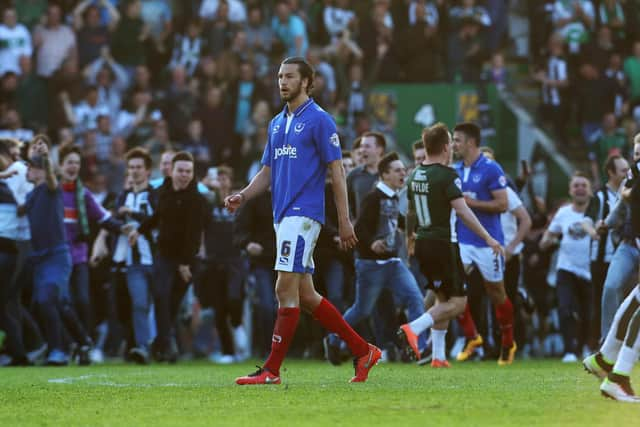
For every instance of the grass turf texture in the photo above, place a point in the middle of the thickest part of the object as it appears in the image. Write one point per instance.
(312, 393)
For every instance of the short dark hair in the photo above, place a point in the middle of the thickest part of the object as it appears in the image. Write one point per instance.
(140, 153)
(417, 145)
(610, 163)
(304, 68)
(435, 138)
(381, 141)
(346, 154)
(66, 150)
(471, 130)
(356, 143)
(182, 156)
(385, 162)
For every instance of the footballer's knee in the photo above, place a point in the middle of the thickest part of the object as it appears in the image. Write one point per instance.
(287, 289)
(496, 292)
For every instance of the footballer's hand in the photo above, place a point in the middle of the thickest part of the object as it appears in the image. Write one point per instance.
(233, 201)
(348, 237)
(495, 246)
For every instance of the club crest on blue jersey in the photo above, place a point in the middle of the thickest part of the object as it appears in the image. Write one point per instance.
(275, 129)
(298, 127)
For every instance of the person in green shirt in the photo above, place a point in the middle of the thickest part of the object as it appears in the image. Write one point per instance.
(609, 141)
(434, 190)
(632, 70)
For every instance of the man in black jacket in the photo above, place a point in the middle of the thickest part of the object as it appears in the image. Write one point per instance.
(180, 220)
(253, 232)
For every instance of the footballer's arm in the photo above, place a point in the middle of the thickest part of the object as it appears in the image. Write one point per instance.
(258, 185)
(499, 203)
(348, 237)
(470, 220)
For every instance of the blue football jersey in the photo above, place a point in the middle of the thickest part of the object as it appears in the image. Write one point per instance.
(484, 177)
(298, 153)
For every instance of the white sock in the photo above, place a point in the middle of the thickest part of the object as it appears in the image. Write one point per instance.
(630, 351)
(421, 324)
(613, 342)
(438, 343)
(626, 359)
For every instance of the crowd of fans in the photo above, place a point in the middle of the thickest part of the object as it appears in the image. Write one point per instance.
(103, 77)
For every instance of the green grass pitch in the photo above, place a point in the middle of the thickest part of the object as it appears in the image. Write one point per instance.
(312, 394)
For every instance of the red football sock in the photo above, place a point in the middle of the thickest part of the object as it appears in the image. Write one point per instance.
(331, 319)
(504, 315)
(283, 332)
(467, 324)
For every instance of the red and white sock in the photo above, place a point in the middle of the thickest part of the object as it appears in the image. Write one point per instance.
(331, 319)
(283, 332)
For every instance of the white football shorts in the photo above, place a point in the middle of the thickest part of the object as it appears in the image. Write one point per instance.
(296, 238)
(491, 266)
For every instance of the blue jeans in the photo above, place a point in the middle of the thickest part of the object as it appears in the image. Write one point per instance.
(333, 273)
(51, 272)
(372, 278)
(79, 291)
(139, 280)
(622, 275)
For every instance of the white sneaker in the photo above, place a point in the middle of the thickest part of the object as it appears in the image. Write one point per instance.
(241, 343)
(222, 359)
(569, 358)
(96, 355)
(614, 391)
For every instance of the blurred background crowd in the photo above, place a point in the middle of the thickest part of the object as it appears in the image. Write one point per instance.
(108, 76)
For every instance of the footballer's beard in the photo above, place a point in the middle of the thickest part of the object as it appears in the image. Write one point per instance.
(291, 94)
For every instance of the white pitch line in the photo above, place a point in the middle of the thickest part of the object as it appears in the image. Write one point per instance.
(84, 378)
